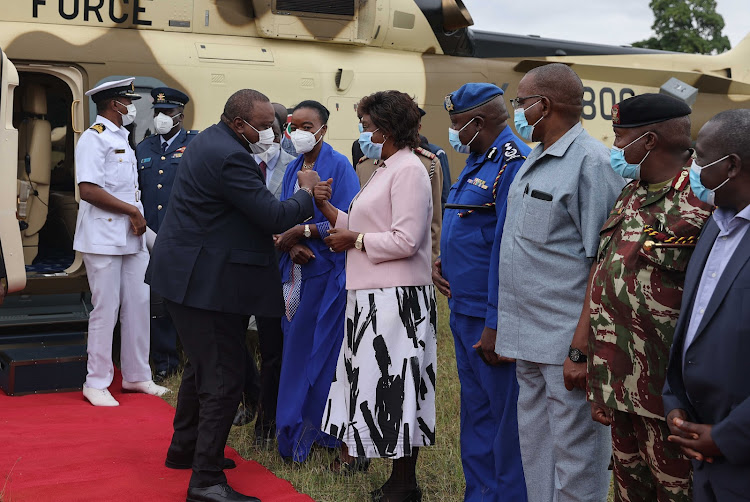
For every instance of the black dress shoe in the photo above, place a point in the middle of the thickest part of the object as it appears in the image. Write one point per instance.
(217, 493)
(227, 463)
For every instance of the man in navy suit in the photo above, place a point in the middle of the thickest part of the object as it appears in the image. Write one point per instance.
(215, 265)
(159, 156)
(707, 392)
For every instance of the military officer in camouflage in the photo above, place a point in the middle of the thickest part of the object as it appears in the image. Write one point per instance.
(634, 294)
(158, 157)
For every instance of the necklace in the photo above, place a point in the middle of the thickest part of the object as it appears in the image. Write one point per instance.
(306, 166)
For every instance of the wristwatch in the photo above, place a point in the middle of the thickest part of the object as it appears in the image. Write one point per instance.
(360, 243)
(576, 356)
(307, 231)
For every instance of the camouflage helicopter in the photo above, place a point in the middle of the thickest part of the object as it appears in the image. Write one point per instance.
(335, 52)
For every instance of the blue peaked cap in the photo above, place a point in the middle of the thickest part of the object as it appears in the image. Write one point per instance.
(470, 96)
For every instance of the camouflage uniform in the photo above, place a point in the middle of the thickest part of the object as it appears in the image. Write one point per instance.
(635, 301)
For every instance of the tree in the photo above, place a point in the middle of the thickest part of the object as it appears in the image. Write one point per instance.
(686, 26)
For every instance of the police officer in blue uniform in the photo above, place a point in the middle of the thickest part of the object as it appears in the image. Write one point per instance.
(158, 160)
(467, 273)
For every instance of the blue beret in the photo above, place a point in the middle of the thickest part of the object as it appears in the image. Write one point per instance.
(166, 97)
(646, 109)
(470, 96)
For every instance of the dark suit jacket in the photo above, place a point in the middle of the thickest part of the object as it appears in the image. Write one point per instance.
(214, 249)
(714, 387)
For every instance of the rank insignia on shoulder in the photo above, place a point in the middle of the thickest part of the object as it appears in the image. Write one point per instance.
(425, 153)
(510, 151)
(120, 150)
(98, 128)
(491, 154)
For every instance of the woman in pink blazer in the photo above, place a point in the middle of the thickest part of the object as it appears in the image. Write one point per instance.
(382, 400)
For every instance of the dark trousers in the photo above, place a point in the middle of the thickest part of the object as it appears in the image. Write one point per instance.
(211, 388)
(163, 337)
(271, 341)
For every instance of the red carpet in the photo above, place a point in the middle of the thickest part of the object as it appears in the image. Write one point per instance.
(59, 448)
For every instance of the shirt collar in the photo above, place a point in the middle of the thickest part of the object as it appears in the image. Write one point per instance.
(559, 147)
(728, 220)
(108, 124)
(170, 140)
(271, 162)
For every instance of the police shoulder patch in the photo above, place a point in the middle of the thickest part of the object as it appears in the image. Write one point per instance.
(511, 152)
(99, 128)
(424, 153)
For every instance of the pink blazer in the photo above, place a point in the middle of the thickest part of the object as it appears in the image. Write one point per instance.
(394, 211)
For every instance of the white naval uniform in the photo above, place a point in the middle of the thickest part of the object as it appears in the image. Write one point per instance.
(115, 258)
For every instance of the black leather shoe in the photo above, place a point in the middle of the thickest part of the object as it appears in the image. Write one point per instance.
(228, 463)
(217, 493)
(414, 495)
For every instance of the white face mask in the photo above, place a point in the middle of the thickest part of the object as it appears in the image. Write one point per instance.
(265, 139)
(304, 141)
(270, 153)
(127, 118)
(164, 123)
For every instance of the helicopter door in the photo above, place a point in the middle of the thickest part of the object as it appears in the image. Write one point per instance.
(12, 269)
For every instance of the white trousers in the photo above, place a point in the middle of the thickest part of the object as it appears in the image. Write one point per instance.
(565, 454)
(117, 284)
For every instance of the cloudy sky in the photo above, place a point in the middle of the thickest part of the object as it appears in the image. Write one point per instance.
(616, 22)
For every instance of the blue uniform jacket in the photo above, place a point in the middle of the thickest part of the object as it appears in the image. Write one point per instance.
(470, 244)
(156, 172)
(711, 384)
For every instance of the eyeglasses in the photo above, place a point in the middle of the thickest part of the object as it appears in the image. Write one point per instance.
(516, 102)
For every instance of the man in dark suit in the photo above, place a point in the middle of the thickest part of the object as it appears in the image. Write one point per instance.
(707, 392)
(214, 264)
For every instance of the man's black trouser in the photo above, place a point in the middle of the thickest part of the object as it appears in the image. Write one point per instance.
(271, 341)
(211, 388)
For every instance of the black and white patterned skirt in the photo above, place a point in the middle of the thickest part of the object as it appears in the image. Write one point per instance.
(382, 399)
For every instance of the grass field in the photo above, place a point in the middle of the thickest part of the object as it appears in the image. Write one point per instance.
(439, 468)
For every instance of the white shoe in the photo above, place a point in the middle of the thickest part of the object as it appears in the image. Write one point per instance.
(148, 387)
(99, 397)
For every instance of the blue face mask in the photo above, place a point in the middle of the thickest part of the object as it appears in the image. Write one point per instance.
(456, 142)
(371, 150)
(523, 128)
(707, 195)
(621, 166)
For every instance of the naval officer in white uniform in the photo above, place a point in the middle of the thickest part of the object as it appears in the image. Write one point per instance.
(109, 234)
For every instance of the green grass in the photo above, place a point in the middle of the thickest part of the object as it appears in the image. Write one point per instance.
(438, 471)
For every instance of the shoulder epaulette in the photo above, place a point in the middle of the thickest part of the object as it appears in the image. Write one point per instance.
(99, 128)
(425, 153)
(193, 131)
(682, 180)
(511, 151)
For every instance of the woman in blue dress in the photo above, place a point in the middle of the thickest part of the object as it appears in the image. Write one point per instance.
(314, 291)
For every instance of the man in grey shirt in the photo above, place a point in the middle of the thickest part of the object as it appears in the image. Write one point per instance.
(557, 204)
